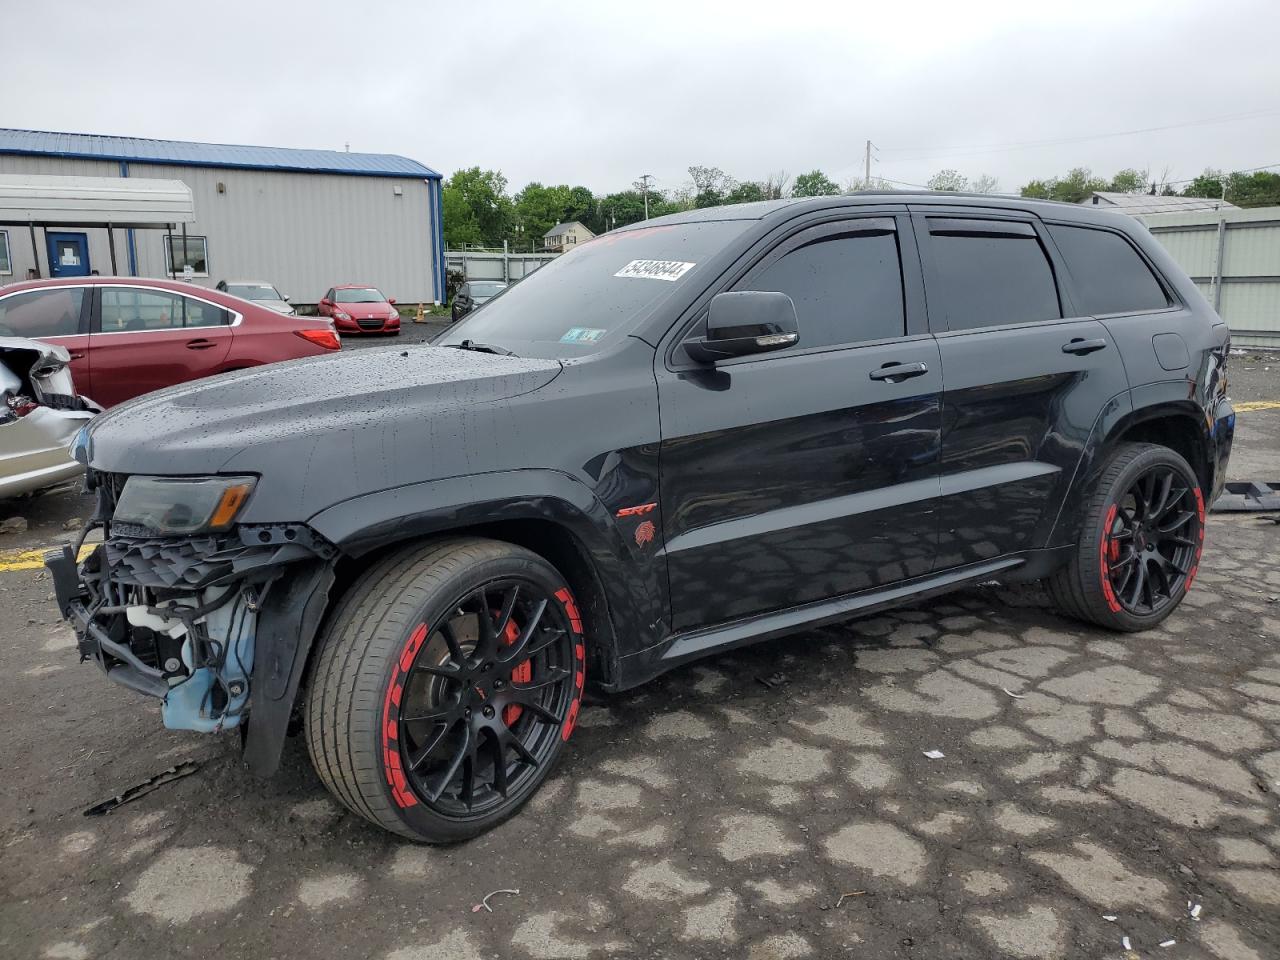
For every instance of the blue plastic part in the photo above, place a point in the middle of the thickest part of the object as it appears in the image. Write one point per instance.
(189, 705)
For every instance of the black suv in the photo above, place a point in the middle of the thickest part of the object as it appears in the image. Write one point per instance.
(687, 435)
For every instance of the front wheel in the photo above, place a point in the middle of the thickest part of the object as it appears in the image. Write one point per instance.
(1140, 543)
(446, 685)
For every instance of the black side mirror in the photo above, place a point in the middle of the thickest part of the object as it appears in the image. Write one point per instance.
(746, 322)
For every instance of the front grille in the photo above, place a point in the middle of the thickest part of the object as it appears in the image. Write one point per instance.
(372, 324)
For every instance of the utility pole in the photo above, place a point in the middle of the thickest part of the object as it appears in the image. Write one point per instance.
(644, 185)
(866, 183)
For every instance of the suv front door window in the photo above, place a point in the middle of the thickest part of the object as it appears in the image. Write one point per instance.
(797, 476)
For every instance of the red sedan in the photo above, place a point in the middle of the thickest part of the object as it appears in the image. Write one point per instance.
(131, 335)
(356, 308)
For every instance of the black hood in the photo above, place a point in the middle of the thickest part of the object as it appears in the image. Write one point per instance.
(349, 423)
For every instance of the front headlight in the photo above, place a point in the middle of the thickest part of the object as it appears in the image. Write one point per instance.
(341, 315)
(168, 506)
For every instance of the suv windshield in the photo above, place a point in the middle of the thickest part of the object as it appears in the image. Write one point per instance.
(254, 291)
(362, 295)
(595, 294)
(486, 289)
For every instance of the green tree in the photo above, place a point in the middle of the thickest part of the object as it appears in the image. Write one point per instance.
(1260, 188)
(1077, 185)
(749, 191)
(1129, 181)
(1209, 184)
(815, 183)
(475, 207)
(948, 180)
(538, 208)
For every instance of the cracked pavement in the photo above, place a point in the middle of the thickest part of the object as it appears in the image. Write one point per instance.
(1085, 775)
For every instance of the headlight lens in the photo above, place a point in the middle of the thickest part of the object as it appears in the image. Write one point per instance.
(169, 506)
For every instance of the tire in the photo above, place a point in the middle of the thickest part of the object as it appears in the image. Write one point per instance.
(424, 721)
(1140, 542)
(453, 313)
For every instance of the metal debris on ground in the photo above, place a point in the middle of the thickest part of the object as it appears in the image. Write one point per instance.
(1016, 696)
(484, 901)
(176, 772)
(934, 754)
(846, 896)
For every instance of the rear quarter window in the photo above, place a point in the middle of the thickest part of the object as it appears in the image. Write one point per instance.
(1108, 274)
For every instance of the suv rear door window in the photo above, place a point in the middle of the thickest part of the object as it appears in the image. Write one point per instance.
(1109, 276)
(846, 288)
(989, 273)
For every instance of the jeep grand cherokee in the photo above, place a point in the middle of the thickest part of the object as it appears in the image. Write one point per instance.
(687, 435)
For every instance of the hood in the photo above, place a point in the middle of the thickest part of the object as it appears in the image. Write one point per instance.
(279, 306)
(347, 423)
(363, 311)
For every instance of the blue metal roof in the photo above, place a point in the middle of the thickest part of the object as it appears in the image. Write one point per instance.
(182, 153)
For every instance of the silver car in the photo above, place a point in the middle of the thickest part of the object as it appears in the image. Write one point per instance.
(262, 293)
(40, 414)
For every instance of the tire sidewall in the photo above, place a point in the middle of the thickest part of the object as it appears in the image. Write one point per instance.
(416, 816)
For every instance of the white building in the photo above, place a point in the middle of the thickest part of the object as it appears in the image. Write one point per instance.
(303, 220)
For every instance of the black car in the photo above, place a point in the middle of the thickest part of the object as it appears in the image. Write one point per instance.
(472, 294)
(695, 433)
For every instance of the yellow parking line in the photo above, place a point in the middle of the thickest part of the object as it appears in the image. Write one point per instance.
(32, 559)
(1257, 405)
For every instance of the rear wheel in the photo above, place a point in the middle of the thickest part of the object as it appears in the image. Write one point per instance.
(447, 683)
(1140, 543)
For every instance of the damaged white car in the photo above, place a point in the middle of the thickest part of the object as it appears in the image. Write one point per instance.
(39, 416)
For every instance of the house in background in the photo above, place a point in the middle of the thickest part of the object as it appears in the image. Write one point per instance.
(565, 236)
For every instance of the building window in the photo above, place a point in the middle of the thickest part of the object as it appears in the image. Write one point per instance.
(570, 238)
(197, 255)
(6, 264)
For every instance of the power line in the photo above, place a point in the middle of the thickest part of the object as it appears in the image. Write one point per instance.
(926, 153)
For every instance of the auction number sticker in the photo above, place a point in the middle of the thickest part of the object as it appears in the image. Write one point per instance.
(671, 270)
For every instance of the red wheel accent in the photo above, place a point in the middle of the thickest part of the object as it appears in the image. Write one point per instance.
(1109, 552)
(521, 674)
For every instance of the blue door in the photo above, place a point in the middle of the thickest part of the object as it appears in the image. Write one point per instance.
(68, 255)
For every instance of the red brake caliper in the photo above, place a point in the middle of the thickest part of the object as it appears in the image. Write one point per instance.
(521, 674)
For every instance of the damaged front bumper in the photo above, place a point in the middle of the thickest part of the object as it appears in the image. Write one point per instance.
(179, 618)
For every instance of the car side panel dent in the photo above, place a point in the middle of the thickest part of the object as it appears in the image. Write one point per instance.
(629, 567)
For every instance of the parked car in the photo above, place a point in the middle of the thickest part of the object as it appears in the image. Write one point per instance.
(696, 433)
(129, 335)
(260, 293)
(40, 412)
(359, 309)
(472, 294)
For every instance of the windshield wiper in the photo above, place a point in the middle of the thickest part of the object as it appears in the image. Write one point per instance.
(482, 348)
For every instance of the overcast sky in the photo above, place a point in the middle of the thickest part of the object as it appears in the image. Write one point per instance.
(599, 93)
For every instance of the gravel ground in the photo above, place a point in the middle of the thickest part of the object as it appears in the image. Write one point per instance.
(1085, 776)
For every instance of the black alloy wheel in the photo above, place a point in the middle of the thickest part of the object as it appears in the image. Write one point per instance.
(485, 698)
(1141, 533)
(1153, 535)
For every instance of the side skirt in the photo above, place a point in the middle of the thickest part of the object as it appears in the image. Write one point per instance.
(684, 647)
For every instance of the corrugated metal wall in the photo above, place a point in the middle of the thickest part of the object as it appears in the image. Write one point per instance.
(304, 232)
(1249, 298)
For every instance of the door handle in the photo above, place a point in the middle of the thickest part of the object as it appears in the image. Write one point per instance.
(896, 372)
(201, 344)
(1081, 346)
(78, 355)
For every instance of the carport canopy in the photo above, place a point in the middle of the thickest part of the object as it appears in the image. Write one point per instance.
(111, 202)
(121, 202)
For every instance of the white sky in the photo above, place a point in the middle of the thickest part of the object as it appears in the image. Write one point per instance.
(599, 93)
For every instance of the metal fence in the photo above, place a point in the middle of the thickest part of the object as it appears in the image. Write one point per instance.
(1234, 257)
(477, 265)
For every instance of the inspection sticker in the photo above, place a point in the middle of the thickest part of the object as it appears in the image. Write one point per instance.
(656, 269)
(582, 335)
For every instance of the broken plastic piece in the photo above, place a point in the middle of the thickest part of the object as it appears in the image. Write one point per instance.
(484, 901)
(1109, 917)
(1195, 911)
(176, 772)
(1124, 942)
(1016, 696)
(934, 754)
(1167, 943)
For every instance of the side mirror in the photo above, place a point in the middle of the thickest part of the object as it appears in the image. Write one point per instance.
(391, 300)
(324, 302)
(286, 299)
(746, 322)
